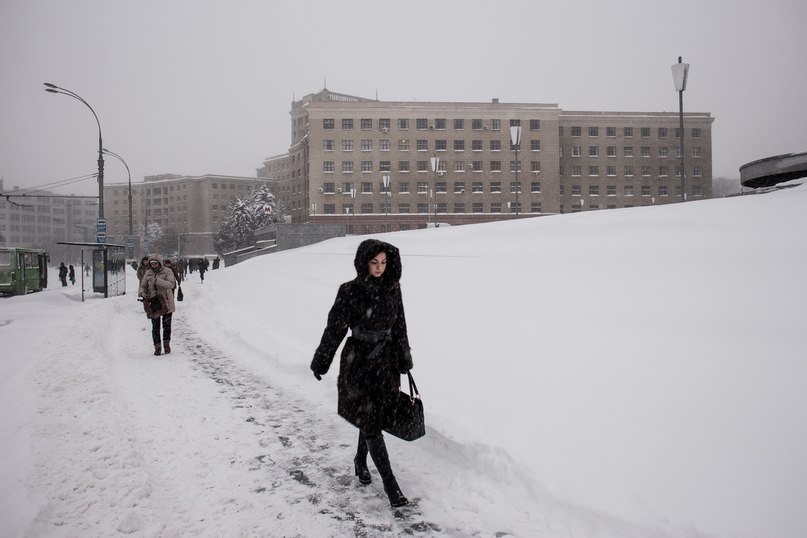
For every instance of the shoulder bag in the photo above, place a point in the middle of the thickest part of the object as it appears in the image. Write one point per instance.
(409, 423)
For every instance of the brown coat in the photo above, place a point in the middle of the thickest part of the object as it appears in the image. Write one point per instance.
(160, 282)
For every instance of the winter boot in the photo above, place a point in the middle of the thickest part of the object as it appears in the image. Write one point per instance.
(378, 451)
(167, 346)
(360, 461)
(158, 349)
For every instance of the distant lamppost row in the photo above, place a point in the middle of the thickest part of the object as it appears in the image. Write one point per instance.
(130, 242)
(515, 138)
(435, 165)
(385, 179)
(680, 71)
(53, 88)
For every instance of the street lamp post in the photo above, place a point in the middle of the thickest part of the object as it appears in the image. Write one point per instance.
(53, 88)
(130, 242)
(435, 165)
(385, 179)
(680, 72)
(353, 210)
(515, 138)
(101, 224)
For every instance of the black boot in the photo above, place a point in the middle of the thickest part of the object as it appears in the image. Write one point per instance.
(378, 451)
(360, 461)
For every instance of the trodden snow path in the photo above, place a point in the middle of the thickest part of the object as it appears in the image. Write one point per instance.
(198, 443)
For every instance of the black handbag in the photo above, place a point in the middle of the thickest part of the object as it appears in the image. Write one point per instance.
(409, 423)
(180, 295)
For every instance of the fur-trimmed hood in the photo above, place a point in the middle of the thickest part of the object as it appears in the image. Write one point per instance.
(368, 250)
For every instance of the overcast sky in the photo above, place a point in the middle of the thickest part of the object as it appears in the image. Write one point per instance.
(205, 86)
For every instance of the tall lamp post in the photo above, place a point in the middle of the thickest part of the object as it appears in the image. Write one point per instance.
(680, 71)
(515, 138)
(130, 242)
(385, 179)
(353, 210)
(53, 88)
(100, 230)
(435, 165)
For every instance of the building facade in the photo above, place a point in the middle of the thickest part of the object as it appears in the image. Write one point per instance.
(380, 166)
(41, 219)
(174, 213)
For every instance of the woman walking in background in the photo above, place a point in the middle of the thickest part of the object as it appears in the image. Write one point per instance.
(373, 358)
(157, 289)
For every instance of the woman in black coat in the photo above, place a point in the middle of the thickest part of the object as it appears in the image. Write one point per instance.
(373, 358)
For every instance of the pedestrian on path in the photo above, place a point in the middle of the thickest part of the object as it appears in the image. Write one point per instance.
(63, 274)
(157, 292)
(71, 271)
(373, 358)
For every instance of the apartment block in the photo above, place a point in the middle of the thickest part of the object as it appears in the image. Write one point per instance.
(378, 166)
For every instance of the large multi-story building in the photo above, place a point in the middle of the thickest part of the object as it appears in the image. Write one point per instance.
(183, 211)
(40, 219)
(377, 166)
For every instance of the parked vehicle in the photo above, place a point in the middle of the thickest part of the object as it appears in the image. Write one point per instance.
(22, 270)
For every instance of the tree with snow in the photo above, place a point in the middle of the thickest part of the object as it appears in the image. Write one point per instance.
(246, 215)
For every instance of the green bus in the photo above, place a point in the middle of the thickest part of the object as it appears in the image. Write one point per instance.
(22, 270)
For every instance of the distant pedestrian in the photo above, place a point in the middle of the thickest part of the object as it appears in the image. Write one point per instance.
(72, 272)
(157, 291)
(86, 270)
(144, 266)
(202, 265)
(63, 274)
(216, 263)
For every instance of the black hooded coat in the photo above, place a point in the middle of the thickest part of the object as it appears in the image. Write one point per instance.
(377, 352)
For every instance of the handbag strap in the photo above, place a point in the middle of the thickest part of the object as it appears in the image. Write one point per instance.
(413, 389)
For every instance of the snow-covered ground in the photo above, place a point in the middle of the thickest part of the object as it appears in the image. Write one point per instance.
(626, 373)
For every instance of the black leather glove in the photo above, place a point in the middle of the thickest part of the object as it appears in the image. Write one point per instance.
(319, 377)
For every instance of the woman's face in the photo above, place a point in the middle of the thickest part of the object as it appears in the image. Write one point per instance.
(144, 261)
(154, 264)
(378, 265)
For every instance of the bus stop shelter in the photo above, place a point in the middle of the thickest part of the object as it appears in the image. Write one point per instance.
(108, 266)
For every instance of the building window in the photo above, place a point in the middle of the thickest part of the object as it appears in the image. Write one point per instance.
(627, 132)
(328, 123)
(645, 151)
(347, 167)
(610, 151)
(495, 145)
(384, 144)
(593, 170)
(403, 166)
(611, 190)
(476, 166)
(366, 124)
(476, 125)
(610, 170)
(577, 151)
(423, 207)
(328, 166)
(535, 145)
(663, 171)
(593, 131)
(628, 190)
(385, 166)
(459, 145)
(495, 166)
(662, 132)
(696, 152)
(696, 132)
(459, 125)
(646, 171)
(459, 187)
(367, 166)
(593, 151)
(347, 124)
(422, 145)
(628, 171)
(610, 132)
(576, 132)
(495, 125)
(440, 187)
(367, 145)
(423, 187)
(577, 171)
(330, 209)
(423, 166)
(459, 207)
(367, 187)
(403, 208)
(476, 145)
(367, 207)
(403, 124)
(477, 207)
(627, 151)
(593, 190)
(496, 207)
(440, 123)
(663, 152)
(645, 190)
(384, 124)
(328, 187)
(535, 167)
(645, 132)
(576, 190)
(477, 187)
(327, 145)
(403, 145)
(662, 190)
(514, 165)
(535, 186)
(421, 124)
(535, 207)
(441, 207)
(347, 145)
(496, 187)
(535, 125)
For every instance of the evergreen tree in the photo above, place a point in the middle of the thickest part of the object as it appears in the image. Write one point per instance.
(246, 215)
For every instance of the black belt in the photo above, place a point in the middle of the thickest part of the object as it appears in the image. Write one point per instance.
(379, 338)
